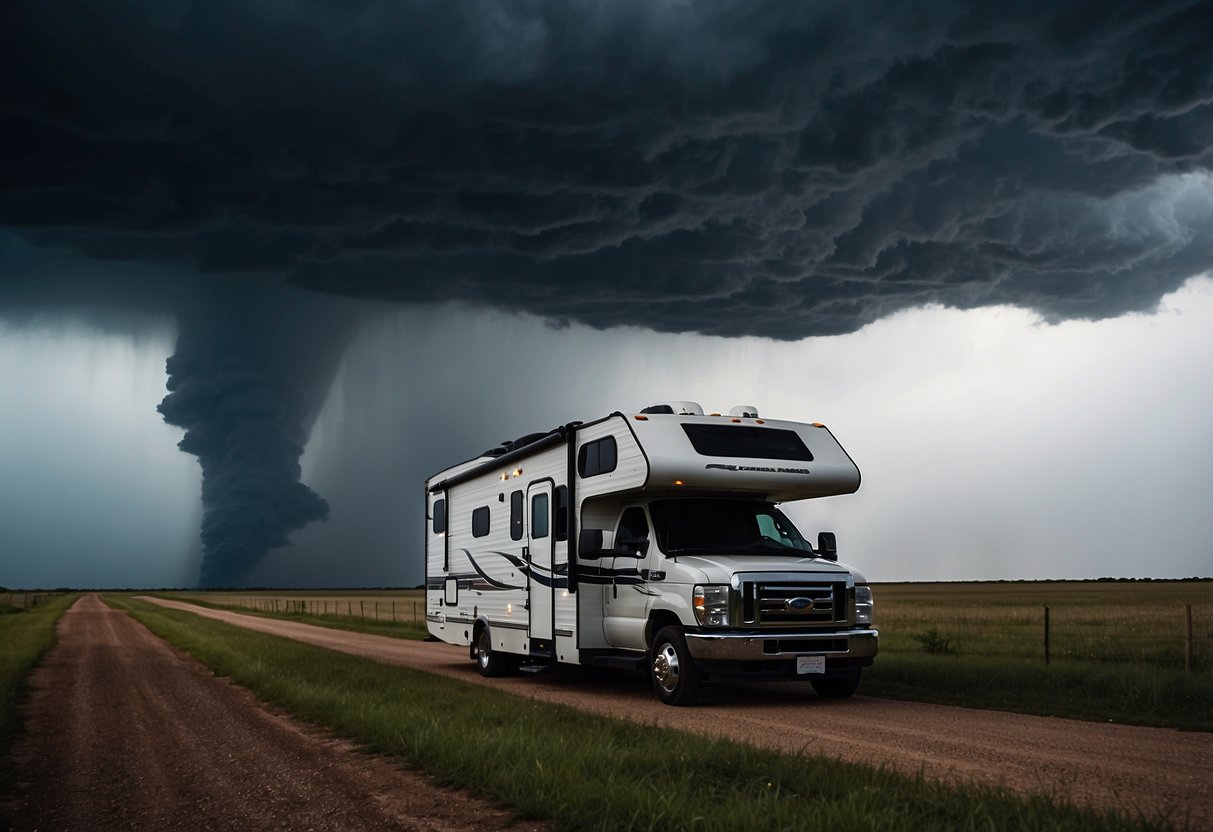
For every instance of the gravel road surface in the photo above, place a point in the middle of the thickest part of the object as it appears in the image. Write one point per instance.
(123, 731)
(1154, 771)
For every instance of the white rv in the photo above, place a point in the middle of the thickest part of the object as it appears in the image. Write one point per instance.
(682, 563)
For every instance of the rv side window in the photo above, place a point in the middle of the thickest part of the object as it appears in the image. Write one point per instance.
(439, 516)
(560, 508)
(539, 516)
(598, 457)
(480, 521)
(516, 515)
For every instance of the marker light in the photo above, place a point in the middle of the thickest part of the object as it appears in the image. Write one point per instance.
(640, 417)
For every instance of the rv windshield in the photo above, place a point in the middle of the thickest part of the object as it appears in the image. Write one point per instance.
(698, 526)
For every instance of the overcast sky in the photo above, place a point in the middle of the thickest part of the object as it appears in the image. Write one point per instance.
(371, 239)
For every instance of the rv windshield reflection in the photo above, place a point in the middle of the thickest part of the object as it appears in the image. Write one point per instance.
(741, 527)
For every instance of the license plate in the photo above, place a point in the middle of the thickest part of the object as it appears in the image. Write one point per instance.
(810, 664)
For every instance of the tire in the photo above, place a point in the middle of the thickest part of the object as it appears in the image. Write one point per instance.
(488, 660)
(675, 677)
(836, 687)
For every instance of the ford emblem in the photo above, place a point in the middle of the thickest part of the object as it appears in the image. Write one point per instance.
(798, 603)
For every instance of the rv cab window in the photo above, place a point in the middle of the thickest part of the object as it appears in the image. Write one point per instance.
(439, 516)
(633, 527)
(748, 442)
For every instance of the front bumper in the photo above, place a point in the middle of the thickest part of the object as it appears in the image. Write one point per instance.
(767, 646)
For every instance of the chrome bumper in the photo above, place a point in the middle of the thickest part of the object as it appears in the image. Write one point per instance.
(751, 646)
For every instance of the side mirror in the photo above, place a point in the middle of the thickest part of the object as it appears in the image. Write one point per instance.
(827, 546)
(589, 544)
(636, 547)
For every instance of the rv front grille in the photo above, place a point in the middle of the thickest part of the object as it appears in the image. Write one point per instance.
(793, 604)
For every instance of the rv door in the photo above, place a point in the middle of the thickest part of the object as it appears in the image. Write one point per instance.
(626, 602)
(542, 582)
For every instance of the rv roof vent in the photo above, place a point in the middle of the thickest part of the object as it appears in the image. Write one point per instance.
(679, 408)
(746, 411)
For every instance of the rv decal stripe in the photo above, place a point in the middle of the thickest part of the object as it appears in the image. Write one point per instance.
(547, 580)
(607, 575)
(514, 559)
(486, 576)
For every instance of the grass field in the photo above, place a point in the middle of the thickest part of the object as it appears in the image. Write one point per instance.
(539, 758)
(17, 601)
(399, 613)
(26, 633)
(1116, 648)
(385, 605)
(1138, 622)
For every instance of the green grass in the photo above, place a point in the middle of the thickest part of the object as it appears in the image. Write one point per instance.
(1116, 649)
(1130, 694)
(585, 772)
(1101, 622)
(25, 636)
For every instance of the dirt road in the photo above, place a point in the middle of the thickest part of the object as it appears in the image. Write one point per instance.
(1149, 770)
(125, 732)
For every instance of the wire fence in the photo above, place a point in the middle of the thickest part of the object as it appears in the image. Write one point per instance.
(389, 610)
(1176, 637)
(17, 601)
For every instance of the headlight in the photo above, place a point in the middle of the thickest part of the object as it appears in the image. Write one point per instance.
(863, 605)
(711, 605)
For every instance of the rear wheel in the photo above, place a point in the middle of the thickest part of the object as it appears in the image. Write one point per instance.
(836, 687)
(488, 660)
(675, 677)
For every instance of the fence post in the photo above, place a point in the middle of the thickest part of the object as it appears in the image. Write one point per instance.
(1046, 635)
(1188, 638)
(393, 610)
(362, 609)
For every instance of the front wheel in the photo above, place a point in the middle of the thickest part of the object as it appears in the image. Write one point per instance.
(836, 687)
(489, 661)
(675, 677)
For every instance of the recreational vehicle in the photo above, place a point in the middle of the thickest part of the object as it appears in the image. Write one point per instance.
(654, 541)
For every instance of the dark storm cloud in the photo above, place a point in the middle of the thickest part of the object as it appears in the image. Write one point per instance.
(782, 169)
